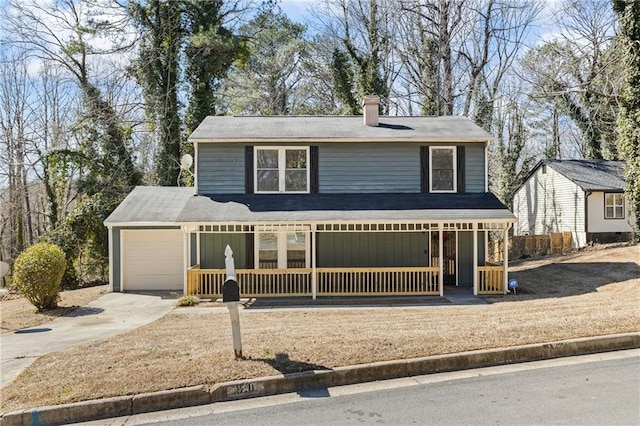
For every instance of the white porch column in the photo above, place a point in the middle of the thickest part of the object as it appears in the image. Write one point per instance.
(314, 281)
(198, 246)
(505, 257)
(475, 258)
(441, 259)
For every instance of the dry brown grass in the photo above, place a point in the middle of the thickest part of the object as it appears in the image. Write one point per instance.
(193, 346)
(17, 313)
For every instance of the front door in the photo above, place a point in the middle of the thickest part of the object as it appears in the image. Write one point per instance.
(465, 258)
(449, 257)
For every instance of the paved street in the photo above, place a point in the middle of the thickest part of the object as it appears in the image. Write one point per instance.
(593, 389)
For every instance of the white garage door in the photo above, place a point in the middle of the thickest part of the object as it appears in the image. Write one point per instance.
(152, 260)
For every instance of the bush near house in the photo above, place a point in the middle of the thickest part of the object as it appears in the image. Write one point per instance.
(37, 273)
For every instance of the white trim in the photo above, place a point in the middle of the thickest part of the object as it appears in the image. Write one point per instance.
(314, 284)
(505, 263)
(186, 259)
(614, 205)
(282, 168)
(455, 169)
(281, 244)
(475, 259)
(441, 258)
(198, 247)
(457, 256)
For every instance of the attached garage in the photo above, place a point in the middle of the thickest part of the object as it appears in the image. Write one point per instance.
(152, 259)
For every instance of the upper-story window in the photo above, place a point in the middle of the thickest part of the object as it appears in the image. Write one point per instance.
(280, 169)
(613, 206)
(442, 169)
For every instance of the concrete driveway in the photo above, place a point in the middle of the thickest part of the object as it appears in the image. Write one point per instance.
(111, 314)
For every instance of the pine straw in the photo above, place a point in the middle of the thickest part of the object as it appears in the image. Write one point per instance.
(193, 346)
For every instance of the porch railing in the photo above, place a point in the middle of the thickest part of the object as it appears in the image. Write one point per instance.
(377, 281)
(330, 281)
(252, 282)
(490, 280)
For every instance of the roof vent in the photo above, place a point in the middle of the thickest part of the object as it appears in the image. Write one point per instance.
(370, 105)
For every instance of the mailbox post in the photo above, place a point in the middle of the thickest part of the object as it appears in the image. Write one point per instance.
(231, 297)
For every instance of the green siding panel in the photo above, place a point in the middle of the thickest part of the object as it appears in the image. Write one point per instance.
(350, 249)
(212, 248)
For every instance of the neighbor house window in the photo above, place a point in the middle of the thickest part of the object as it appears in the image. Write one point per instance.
(442, 169)
(613, 206)
(281, 169)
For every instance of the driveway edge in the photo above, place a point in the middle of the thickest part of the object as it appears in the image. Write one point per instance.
(265, 386)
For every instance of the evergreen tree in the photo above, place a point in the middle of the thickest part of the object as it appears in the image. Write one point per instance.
(629, 115)
(158, 73)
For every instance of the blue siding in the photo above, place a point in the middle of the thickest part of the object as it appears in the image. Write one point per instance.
(220, 169)
(475, 169)
(369, 167)
(343, 167)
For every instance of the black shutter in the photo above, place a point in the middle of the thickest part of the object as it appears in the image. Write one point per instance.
(460, 169)
(424, 169)
(248, 169)
(313, 169)
(250, 253)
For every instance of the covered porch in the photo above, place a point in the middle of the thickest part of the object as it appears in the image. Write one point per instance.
(364, 258)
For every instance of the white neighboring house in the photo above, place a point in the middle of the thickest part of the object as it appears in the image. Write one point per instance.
(584, 197)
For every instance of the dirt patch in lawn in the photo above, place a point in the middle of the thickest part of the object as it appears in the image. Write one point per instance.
(193, 346)
(17, 313)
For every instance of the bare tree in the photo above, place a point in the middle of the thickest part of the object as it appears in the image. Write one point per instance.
(578, 72)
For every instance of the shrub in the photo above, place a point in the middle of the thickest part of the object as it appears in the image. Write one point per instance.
(188, 301)
(37, 273)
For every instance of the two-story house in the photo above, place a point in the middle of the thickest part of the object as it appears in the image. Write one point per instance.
(319, 206)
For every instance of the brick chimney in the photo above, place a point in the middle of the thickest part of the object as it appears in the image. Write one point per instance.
(370, 107)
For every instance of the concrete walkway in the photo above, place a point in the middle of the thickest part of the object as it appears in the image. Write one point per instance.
(106, 316)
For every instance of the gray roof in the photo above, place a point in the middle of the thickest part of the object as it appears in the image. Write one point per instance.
(591, 175)
(141, 207)
(336, 128)
(151, 204)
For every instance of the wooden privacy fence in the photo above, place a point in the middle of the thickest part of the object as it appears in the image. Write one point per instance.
(532, 245)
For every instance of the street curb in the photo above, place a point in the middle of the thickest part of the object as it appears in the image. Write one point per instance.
(265, 386)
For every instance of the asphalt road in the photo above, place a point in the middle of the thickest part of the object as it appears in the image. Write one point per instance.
(595, 389)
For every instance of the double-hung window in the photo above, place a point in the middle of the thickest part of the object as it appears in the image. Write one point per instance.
(442, 169)
(283, 249)
(280, 169)
(613, 206)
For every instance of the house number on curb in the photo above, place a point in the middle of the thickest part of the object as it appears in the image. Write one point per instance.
(245, 388)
